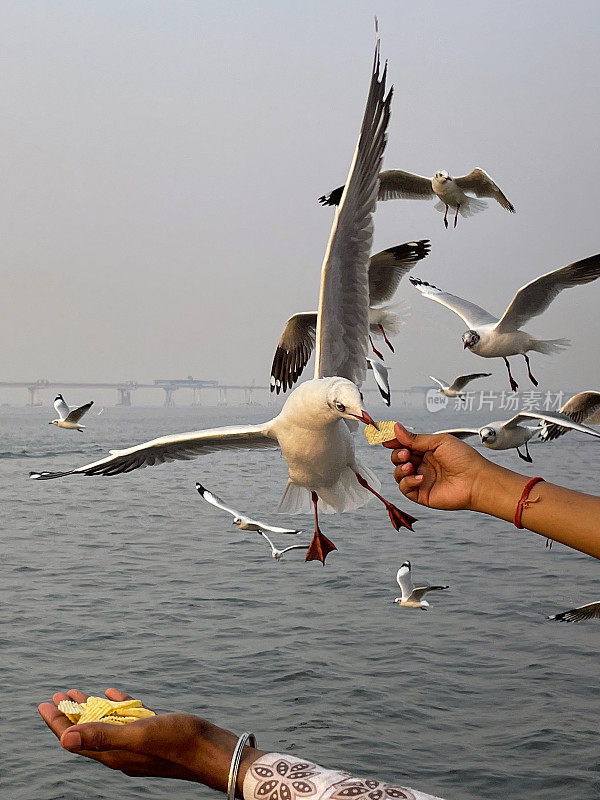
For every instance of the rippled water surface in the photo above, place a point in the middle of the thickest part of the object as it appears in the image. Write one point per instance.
(134, 581)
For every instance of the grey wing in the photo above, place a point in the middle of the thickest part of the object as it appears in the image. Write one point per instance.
(61, 408)
(343, 318)
(295, 547)
(462, 380)
(178, 447)
(77, 413)
(535, 297)
(404, 580)
(387, 268)
(579, 614)
(551, 416)
(275, 529)
(471, 314)
(419, 591)
(461, 433)
(584, 406)
(440, 384)
(481, 185)
(395, 184)
(293, 350)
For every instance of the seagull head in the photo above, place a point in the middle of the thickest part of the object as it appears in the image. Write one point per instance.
(54, 422)
(442, 175)
(488, 434)
(345, 400)
(470, 339)
(237, 521)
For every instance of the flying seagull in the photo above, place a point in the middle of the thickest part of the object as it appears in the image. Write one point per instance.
(243, 523)
(582, 407)
(278, 554)
(455, 389)
(514, 432)
(579, 614)
(312, 428)
(386, 270)
(397, 184)
(69, 418)
(490, 337)
(411, 595)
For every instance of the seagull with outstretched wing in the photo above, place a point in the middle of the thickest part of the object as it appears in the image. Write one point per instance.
(412, 596)
(278, 554)
(312, 428)
(490, 337)
(68, 418)
(579, 614)
(243, 522)
(455, 389)
(451, 192)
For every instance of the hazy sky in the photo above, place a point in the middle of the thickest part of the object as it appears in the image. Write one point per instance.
(161, 162)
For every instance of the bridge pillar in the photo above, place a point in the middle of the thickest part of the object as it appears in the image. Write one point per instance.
(222, 396)
(169, 400)
(124, 397)
(197, 401)
(34, 399)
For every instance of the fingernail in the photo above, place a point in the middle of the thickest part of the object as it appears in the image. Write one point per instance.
(71, 740)
(419, 478)
(406, 467)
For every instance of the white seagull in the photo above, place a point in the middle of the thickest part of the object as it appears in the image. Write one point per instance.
(386, 270)
(69, 418)
(579, 614)
(455, 389)
(240, 520)
(582, 407)
(411, 595)
(514, 432)
(312, 429)
(278, 554)
(491, 337)
(397, 184)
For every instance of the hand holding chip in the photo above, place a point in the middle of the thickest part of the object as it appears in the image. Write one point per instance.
(165, 745)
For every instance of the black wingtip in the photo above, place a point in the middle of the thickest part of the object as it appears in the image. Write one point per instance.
(201, 489)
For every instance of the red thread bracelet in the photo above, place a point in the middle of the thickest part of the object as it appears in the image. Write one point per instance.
(524, 501)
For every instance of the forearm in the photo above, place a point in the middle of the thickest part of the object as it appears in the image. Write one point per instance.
(564, 515)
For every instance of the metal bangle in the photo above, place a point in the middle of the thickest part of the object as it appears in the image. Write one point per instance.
(236, 759)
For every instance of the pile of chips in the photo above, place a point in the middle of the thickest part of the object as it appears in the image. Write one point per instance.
(100, 709)
(384, 434)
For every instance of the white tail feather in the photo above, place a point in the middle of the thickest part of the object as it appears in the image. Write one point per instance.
(345, 495)
(549, 346)
(391, 317)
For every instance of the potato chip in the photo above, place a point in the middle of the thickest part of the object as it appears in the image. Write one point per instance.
(135, 713)
(112, 719)
(384, 434)
(95, 709)
(71, 709)
(126, 703)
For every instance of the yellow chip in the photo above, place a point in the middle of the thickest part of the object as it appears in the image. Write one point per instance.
(136, 713)
(95, 709)
(384, 434)
(112, 719)
(125, 703)
(71, 709)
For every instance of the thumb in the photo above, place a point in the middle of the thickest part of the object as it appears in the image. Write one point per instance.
(100, 736)
(419, 442)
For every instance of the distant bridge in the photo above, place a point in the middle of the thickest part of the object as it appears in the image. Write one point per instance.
(125, 389)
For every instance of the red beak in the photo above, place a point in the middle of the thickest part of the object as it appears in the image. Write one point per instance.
(367, 419)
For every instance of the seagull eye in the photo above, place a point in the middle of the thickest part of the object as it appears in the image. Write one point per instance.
(340, 407)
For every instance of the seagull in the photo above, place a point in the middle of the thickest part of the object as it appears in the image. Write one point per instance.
(582, 407)
(397, 184)
(278, 554)
(579, 614)
(455, 388)
(312, 430)
(490, 337)
(243, 523)
(380, 373)
(386, 270)
(411, 595)
(514, 432)
(69, 418)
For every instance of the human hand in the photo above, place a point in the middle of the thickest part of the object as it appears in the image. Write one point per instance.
(437, 470)
(168, 745)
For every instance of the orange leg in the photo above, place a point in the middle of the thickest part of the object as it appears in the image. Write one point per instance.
(320, 545)
(513, 384)
(387, 341)
(375, 350)
(398, 518)
(531, 378)
(446, 218)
